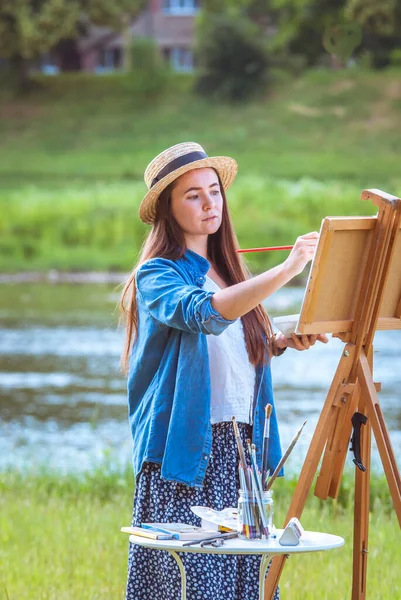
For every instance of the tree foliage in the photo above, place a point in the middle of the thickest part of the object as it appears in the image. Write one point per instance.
(231, 56)
(31, 27)
(381, 18)
(28, 28)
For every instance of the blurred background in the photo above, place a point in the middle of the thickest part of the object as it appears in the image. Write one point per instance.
(304, 94)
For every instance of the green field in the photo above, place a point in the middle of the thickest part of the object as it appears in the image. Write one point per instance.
(74, 150)
(60, 540)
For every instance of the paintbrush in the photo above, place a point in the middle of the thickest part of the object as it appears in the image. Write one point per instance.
(265, 449)
(265, 249)
(248, 443)
(284, 458)
(250, 471)
(258, 491)
(241, 454)
(223, 536)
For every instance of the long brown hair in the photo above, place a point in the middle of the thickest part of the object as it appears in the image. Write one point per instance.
(166, 240)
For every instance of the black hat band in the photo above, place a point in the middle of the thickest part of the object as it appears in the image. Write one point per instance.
(175, 164)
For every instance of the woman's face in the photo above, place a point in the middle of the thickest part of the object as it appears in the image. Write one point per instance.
(197, 203)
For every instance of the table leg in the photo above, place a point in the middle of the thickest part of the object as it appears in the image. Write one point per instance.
(264, 563)
(183, 574)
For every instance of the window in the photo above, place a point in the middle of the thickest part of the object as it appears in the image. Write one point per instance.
(48, 64)
(181, 59)
(109, 60)
(181, 7)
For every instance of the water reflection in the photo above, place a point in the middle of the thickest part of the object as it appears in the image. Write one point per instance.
(62, 395)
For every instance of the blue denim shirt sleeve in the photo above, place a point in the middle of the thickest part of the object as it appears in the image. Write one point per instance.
(171, 301)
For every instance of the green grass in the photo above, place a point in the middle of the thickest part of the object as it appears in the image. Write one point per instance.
(74, 151)
(96, 227)
(325, 125)
(60, 539)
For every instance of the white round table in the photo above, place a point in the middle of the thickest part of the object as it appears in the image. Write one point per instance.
(311, 541)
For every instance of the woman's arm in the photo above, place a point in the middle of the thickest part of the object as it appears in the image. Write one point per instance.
(237, 300)
(173, 303)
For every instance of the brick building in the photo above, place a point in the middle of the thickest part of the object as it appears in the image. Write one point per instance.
(169, 22)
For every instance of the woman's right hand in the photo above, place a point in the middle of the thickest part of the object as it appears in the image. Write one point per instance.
(303, 251)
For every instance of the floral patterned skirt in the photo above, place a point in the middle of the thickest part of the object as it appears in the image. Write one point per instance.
(153, 574)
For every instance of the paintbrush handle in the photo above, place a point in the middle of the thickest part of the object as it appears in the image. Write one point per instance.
(223, 536)
(241, 453)
(265, 448)
(265, 249)
(259, 500)
(264, 463)
(284, 458)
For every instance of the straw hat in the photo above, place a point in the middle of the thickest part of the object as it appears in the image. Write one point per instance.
(172, 163)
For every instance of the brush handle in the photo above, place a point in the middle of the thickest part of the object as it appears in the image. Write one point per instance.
(264, 249)
(259, 500)
(264, 462)
(241, 453)
(284, 458)
(265, 448)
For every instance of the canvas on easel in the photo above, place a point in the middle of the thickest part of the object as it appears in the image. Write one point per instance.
(336, 275)
(354, 289)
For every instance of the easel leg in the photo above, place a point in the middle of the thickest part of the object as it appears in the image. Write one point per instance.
(382, 437)
(361, 512)
(311, 463)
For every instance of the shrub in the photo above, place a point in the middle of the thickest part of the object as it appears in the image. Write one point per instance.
(395, 57)
(231, 57)
(150, 74)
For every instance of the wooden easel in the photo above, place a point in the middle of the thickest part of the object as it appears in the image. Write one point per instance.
(375, 303)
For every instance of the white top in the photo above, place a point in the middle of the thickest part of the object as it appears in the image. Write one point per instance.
(232, 375)
(311, 541)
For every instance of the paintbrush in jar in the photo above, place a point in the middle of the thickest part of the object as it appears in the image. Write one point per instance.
(241, 454)
(265, 448)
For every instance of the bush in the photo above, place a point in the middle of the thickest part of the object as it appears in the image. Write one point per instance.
(231, 57)
(395, 57)
(150, 74)
(294, 64)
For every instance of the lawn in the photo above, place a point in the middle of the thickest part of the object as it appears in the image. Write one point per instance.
(75, 148)
(60, 539)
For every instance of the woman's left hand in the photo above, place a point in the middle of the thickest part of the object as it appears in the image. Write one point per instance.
(300, 342)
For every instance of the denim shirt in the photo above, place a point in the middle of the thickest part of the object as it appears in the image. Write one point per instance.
(169, 379)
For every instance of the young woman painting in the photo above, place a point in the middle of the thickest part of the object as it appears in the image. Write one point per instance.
(198, 351)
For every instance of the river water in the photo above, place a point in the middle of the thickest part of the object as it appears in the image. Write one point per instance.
(63, 398)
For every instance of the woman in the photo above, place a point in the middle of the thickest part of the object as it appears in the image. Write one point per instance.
(197, 352)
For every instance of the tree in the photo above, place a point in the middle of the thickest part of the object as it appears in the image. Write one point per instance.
(296, 27)
(29, 28)
(375, 17)
(231, 56)
(301, 25)
(381, 23)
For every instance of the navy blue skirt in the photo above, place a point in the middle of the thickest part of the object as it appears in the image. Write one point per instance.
(154, 575)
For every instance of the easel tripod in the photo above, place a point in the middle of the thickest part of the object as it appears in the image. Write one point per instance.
(351, 391)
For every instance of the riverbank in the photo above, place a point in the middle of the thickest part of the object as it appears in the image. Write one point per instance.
(60, 539)
(63, 277)
(96, 227)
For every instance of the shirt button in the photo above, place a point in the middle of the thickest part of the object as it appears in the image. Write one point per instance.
(205, 457)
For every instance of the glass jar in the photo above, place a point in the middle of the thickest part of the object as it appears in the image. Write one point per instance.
(253, 525)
